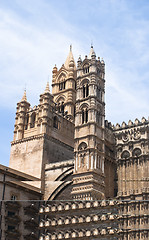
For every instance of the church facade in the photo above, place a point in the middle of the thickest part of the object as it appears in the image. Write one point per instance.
(80, 161)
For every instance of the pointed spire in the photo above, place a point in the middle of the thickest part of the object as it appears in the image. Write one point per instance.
(92, 52)
(24, 98)
(69, 59)
(47, 89)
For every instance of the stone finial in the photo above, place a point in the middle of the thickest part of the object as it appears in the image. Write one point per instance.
(55, 69)
(117, 126)
(69, 59)
(92, 53)
(130, 123)
(143, 120)
(24, 98)
(47, 89)
(123, 125)
(136, 121)
(102, 61)
(79, 58)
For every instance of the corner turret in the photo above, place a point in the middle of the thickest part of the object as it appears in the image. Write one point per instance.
(22, 108)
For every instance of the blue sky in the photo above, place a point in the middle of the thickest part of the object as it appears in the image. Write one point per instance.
(36, 34)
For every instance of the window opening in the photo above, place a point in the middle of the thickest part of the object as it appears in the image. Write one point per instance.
(11, 214)
(62, 85)
(33, 118)
(87, 90)
(11, 227)
(27, 120)
(13, 197)
(82, 116)
(55, 122)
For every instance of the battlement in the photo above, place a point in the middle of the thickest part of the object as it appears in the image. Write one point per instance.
(131, 124)
(108, 125)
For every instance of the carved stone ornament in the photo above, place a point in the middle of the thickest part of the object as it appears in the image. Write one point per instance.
(135, 135)
(125, 137)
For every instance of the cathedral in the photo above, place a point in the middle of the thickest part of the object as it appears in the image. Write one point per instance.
(72, 173)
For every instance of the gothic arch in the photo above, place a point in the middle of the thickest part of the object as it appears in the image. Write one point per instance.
(125, 154)
(82, 146)
(61, 76)
(84, 106)
(55, 122)
(59, 189)
(33, 119)
(136, 152)
(60, 98)
(84, 81)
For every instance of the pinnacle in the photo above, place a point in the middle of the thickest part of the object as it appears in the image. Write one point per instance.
(69, 58)
(24, 98)
(92, 52)
(47, 89)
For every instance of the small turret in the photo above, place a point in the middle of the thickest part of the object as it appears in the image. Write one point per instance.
(70, 59)
(54, 72)
(24, 98)
(22, 108)
(45, 107)
(92, 53)
(79, 61)
(47, 89)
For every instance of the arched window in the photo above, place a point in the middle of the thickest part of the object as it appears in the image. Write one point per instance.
(136, 152)
(84, 116)
(62, 85)
(86, 69)
(55, 122)
(62, 107)
(85, 91)
(125, 154)
(33, 118)
(13, 197)
(26, 121)
(82, 146)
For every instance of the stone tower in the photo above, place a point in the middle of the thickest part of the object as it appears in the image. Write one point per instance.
(41, 136)
(88, 178)
(64, 87)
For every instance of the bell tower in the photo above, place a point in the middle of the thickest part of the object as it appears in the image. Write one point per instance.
(64, 87)
(88, 177)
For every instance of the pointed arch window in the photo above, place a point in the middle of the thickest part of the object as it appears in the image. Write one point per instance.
(62, 85)
(62, 108)
(85, 91)
(86, 69)
(33, 119)
(55, 122)
(84, 116)
(26, 121)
